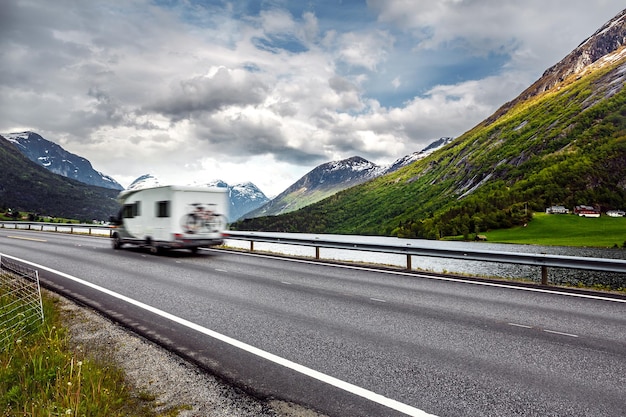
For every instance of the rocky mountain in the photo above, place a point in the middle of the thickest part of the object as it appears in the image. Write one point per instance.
(28, 187)
(561, 142)
(244, 197)
(319, 183)
(59, 161)
(331, 177)
(603, 43)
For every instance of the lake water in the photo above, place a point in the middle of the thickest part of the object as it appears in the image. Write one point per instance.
(472, 268)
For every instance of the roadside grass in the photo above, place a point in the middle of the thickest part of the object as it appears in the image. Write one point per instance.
(42, 375)
(565, 230)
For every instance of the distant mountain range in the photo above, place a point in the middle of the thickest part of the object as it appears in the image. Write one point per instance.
(59, 161)
(246, 199)
(332, 177)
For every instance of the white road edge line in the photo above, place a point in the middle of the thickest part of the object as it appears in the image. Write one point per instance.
(460, 280)
(346, 386)
(378, 299)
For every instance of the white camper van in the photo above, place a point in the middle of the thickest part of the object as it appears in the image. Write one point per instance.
(171, 217)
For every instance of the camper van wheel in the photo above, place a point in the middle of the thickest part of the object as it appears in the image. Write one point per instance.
(154, 249)
(117, 242)
(194, 249)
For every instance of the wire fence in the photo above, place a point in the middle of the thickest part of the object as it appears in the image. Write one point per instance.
(21, 308)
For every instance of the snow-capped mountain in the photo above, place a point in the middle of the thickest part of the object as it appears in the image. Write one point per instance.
(243, 197)
(144, 181)
(332, 177)
(59, 161)
(321, 182)
(416, 156)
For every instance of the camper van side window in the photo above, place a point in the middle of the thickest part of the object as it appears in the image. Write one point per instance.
(163, 209)
(131, 210)
(128, 212)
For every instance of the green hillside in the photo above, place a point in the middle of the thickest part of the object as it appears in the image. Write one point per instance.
(26, 186)
(566, 146)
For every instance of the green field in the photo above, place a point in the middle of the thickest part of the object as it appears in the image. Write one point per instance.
(565, 230)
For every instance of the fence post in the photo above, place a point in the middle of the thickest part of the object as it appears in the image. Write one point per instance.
(544, 275)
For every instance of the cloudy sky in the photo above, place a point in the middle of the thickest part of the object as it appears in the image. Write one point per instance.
(264, 91)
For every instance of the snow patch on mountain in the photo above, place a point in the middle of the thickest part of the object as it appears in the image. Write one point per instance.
(416, 156)
(144, 181)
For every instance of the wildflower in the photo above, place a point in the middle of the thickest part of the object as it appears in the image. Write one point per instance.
(69, 384)
(68, 411)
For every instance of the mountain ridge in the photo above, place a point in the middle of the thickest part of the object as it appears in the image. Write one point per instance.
(608, 38)
(58, 160)
(27, 186)
(332, 177)
(563, 145)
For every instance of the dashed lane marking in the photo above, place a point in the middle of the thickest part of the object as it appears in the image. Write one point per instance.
(27, 238)
(560, 333)
(520, 325)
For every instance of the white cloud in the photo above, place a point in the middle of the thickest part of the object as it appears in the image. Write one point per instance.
(364, 49)
(198, 91)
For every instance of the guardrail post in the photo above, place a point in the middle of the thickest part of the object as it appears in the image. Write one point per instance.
(544, 275)
(90, 231)
(252, 246)
(409, 264)
(71, 229)
(317, 252)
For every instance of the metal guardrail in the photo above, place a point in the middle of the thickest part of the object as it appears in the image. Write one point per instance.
(57, 227)
(544, 261)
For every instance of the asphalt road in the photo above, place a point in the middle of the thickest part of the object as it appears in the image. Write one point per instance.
(350, 341)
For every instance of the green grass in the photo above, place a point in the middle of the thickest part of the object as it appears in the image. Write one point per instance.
(42, 375)
(565, 230)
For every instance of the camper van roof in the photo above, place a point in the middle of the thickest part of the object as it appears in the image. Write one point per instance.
(126, 193)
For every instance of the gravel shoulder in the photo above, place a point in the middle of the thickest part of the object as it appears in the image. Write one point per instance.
(174, 382)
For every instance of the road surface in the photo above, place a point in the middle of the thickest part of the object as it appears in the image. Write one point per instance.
(353, 341)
